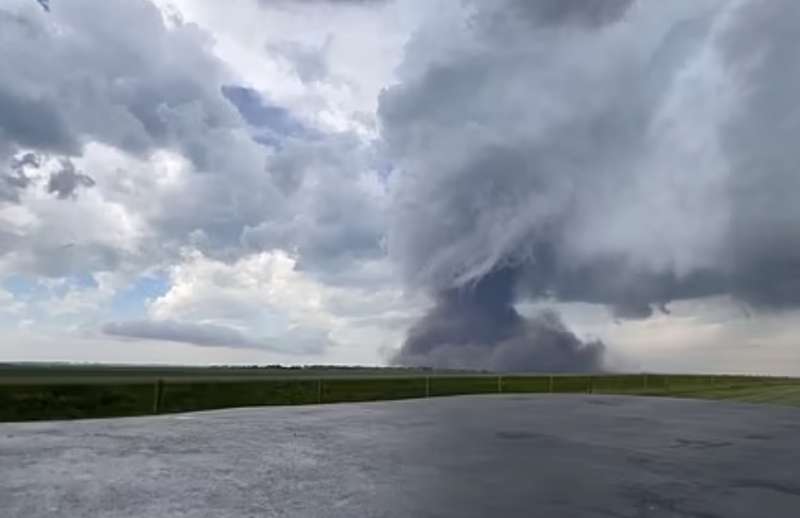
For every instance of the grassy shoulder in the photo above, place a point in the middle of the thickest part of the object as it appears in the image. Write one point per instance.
(54, 394)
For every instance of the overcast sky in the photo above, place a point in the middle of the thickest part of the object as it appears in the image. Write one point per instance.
(287, 181)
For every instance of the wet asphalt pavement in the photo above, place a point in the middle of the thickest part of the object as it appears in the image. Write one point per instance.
(471, 456)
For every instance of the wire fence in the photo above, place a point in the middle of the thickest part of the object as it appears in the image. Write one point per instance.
(59, 400)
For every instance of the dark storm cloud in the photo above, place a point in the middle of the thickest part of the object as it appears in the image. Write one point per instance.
(65, 182)
(760, 139)
(477, 327)
(33, 122)
(629, 292)
(591, 13)
(645, 158)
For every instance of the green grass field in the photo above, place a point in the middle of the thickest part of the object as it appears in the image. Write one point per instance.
(30, 392)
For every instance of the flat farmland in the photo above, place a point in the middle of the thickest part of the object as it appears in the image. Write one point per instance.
(70, 392)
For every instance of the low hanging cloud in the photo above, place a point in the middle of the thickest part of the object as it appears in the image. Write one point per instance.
(188, 332)
(620, 153)
(215, 335)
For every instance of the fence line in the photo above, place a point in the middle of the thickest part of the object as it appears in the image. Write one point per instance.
(433, 386)
(158, 395)
(161, 395)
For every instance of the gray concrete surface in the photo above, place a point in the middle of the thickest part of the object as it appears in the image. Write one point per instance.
(480, 456)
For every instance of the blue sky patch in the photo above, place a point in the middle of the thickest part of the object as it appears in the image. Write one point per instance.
(260, 114)
(130, 302)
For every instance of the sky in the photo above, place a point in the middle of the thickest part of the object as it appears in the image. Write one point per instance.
(514, 185)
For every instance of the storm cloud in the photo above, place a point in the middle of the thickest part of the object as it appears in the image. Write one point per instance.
(587, 13)
(618, 153)
(458, 163)
(477, 327)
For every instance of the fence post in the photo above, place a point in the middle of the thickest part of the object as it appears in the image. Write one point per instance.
(319, 390)
(645, 381)
(427, 386)
(591, 386)
(499, 384)
(158, 389)
(550, 384)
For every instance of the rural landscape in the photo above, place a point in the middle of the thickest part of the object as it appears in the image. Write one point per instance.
(399, 258)
(30, 392)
